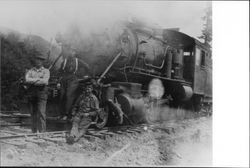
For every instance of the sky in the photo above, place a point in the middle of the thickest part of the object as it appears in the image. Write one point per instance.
(46, 18)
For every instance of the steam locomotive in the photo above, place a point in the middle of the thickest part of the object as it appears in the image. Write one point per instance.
(180, 62)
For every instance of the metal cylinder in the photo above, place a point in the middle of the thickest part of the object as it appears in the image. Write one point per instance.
(178, 63)
(180, 53)
(182, 92)
(126, 103)
(178, 56)
(133, 107)
(168, 66)
(187, 93)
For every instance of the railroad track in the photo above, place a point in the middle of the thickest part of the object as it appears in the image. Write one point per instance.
(59, 137)
(13, 137)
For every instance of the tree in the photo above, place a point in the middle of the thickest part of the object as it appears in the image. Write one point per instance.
(207, 27)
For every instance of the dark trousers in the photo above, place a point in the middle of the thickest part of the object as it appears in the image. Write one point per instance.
(69, 85)
(80, 125)
(37, 106)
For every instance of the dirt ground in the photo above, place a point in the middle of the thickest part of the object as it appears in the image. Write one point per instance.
(189, 145)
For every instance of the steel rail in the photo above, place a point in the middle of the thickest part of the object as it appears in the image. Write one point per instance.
(33, 134)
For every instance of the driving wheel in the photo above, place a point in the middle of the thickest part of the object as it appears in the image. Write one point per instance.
(102, 117)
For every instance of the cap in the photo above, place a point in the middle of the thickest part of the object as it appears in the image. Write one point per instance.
(88, 84)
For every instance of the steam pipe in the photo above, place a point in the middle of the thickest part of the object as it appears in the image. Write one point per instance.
(110, 65)
(162, 64)
(169, 57)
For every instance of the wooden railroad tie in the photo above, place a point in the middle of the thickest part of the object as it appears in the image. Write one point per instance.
(20, 145)
(118, 132)
(53, 140)
(101, 136)
(137, 130)
(39, 142)
(108, 133)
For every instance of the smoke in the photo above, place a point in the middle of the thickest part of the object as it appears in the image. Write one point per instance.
(95, 33)
(96, 36)
(166, 113)
(93, 27)
(46, 18)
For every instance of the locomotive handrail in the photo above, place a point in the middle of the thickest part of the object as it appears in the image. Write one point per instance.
(110, 65)
(150, 36)
(162, 77)
(153, 66)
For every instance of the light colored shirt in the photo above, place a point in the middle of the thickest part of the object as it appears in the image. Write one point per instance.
(38, 76)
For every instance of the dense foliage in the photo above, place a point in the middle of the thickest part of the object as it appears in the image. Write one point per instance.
(16, 56)
(207, 27)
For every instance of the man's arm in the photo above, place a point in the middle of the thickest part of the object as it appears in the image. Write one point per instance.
(95, 106)
(85, 65)
(76, 105)
(44, 80)
(29, 79)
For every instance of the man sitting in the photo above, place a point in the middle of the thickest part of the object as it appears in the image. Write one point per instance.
(85, 107)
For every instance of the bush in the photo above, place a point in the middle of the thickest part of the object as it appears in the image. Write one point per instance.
(16, 56)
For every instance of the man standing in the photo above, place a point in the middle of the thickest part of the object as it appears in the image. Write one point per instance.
(37, 80)
(69, 81)
(86, 107)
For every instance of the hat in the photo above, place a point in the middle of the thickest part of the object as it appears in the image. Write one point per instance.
(88, 84)
(40, 56)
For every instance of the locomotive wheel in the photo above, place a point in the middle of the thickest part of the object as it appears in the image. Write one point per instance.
(102, 118)
(207, 109)
(118, 113)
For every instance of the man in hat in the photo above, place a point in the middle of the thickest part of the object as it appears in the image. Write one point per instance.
(86, 107)
(37, 80)
(69, 80)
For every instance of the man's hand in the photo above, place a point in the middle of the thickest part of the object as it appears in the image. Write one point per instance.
(93, 113)
(86, 114)
(36, 81)
(73, 112)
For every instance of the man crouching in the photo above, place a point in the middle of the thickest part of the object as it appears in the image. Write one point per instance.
(85, 107)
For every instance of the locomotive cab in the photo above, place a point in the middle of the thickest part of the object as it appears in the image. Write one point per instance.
(197, 65)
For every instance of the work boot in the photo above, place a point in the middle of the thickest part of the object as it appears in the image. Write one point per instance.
(70, 139)
(78, 138)
(64, 118)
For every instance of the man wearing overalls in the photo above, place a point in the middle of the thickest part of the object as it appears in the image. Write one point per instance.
(37, 80)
